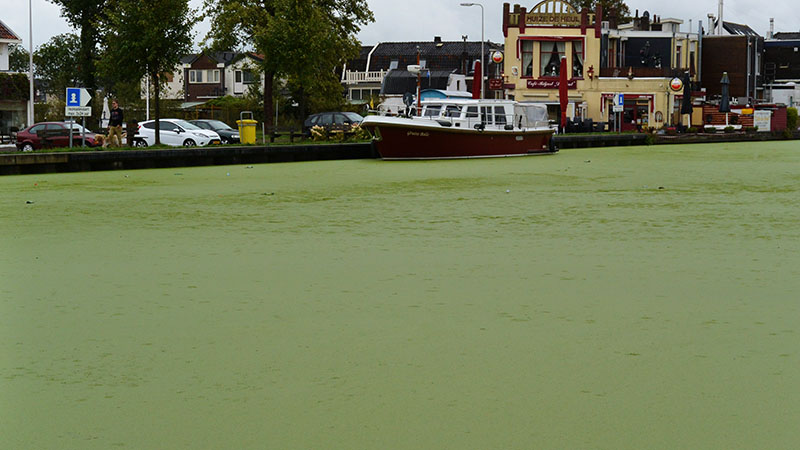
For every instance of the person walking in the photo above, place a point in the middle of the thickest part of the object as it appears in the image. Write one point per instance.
(115, 125)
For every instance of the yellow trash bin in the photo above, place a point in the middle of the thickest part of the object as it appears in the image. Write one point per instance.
(247, 128)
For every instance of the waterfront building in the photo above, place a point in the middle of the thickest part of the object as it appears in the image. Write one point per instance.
(737, 50)
(13, 111)
(782, 68)
(644, 60)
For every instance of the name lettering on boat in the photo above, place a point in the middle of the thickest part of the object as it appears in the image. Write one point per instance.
(417, 133)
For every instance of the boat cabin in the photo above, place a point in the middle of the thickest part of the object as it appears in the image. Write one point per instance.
(486, 114)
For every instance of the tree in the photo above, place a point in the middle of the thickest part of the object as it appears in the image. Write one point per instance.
(85, 15)
(611, 8)
(55, 62)
(301, 40)
(18, 59)
(147, 37)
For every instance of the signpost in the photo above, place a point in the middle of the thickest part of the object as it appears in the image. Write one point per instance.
(77, 99)
(619, 106)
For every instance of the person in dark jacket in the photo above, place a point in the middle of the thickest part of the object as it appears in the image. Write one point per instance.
(115, 125)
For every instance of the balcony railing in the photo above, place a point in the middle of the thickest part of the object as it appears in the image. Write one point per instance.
(354, 77)
(640, 72)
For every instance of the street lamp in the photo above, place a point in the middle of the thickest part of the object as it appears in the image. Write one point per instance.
(30, 62)
(482, 40)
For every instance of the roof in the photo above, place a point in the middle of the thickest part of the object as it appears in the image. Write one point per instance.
(227, 58)
(784, 36)
(739, 29)
(429, 48)
(7, 34)
(402, 81)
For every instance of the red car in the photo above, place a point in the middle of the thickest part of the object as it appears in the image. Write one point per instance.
(52, 135)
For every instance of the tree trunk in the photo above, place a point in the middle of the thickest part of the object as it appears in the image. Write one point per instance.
(269, 106)
(157, 112)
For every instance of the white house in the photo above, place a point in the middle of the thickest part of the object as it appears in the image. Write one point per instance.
(13, 113)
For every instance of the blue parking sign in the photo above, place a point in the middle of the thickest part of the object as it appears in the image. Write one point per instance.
(74, 97)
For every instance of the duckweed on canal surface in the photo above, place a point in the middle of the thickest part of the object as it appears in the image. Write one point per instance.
(642, 297)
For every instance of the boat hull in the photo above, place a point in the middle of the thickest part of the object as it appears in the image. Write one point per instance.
(406, 141)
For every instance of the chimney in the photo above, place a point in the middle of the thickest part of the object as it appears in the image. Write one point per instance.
(437, 39)
(720, 23)
(710, 23)
(771, 28)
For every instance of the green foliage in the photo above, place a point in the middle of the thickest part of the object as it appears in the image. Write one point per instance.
(86, 16)
(55, 62)
(621, 10)
(146, 37)
(691, 130)
(18, 59)
(729, 129)
(710, 129)
(14, 86)
(791, 118)
(750, 130)
(303, 42)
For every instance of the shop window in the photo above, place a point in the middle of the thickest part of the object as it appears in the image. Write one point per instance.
(527, 58)
(550, 58)
(577, 59)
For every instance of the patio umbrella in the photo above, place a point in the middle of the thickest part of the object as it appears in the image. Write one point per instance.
(724, 105)
(477, 80)
(563, 92)
(686, 104)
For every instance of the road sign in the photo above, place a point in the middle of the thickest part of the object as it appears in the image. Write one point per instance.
(77, 97)
(78, 111)
(619, 102)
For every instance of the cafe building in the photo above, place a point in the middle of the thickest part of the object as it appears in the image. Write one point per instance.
(644, 60)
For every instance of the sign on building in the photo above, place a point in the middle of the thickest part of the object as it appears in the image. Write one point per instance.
(619, 102)
(762, 120)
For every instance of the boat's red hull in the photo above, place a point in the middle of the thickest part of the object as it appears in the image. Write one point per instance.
(394, 141)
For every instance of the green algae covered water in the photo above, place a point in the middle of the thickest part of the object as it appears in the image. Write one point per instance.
(601, 298)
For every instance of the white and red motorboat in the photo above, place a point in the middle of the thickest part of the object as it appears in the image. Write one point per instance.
(464, 128)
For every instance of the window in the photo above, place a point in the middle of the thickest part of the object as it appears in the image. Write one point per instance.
(577, 59)
(249, 77)
(527, 58)
(422, 63)
(433, 111)
(550, 58)
(472, 112)
(338, 119)
(210, 76)
(149, 125)
(393, 64)
(355, 94)
(678, 60)
(36, 129)
(486, 114)
(500, 115)
(452, 111)
(237, 76)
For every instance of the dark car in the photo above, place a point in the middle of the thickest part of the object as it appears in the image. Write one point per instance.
(52, 135)
(227, 134)
(331, 121)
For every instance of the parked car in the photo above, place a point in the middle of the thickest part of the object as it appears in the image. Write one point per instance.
(174, 132)
(227, 134)
(52, 135)
(331, 121)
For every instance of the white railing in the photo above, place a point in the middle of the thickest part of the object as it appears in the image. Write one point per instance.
(353, 77)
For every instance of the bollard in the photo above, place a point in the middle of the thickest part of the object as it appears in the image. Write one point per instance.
(131, 129)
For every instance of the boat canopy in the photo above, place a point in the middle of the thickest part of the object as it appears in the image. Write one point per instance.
(532, 114)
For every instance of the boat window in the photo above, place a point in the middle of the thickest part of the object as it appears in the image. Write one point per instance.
(500, 115)
(433, 110)
(452, 111)
(472, 112)
(486, 114)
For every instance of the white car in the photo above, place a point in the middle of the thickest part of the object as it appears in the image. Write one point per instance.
(174, 132)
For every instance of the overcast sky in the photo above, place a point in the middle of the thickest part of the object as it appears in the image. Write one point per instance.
(418, 20)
